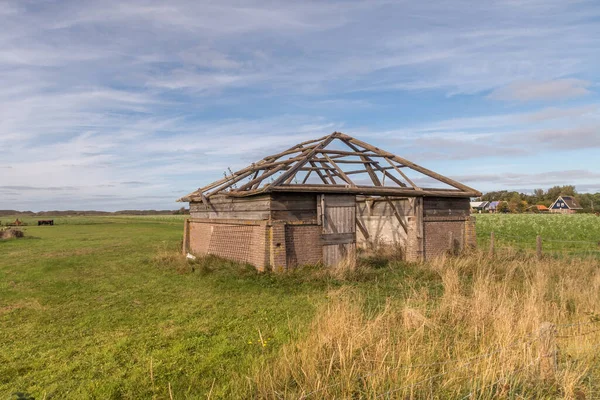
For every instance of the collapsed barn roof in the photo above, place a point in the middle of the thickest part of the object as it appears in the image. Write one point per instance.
(336, 163)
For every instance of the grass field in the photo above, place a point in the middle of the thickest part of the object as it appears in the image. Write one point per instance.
(577, 235)
(105, 308)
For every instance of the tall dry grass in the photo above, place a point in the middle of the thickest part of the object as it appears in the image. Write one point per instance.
(476, 338)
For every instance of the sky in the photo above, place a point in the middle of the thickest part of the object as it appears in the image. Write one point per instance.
(112, 105)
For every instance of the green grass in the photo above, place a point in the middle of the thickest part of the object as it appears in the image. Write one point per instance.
(577, 234)
(89, 304)
(103, 307)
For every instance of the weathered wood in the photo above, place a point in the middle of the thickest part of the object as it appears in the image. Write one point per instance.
(294, 215)
(327, 163)
(492, 244)
(263, 176)
(362, 228)
(339, 228)
(300, 164)
(397, 215)
(319, 173)
(548, 351)
(362, 171)
(367, 190)
(329, 174)
(340, 201)
(418, 210)
(338, 238)
(252, 215)
(411, 183)
(340, 172)
(538, 247)
(186, 237)
(412, 165)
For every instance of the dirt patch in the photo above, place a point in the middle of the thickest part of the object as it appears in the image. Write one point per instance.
(30, 304)
(11, 233)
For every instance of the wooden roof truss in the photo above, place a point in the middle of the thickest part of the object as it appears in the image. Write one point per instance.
(320, 166)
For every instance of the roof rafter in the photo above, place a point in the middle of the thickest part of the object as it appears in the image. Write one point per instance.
(280, 172)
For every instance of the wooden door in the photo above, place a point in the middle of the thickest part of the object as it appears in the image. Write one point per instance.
(338, 214)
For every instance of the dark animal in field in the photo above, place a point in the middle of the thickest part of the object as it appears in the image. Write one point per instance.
(45, 222)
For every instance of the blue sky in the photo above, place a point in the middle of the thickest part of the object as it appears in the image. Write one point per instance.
(116, 105)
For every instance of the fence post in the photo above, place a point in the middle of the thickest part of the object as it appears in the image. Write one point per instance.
(539, 247)
(451, 242)
(548, 351)
(186, 237)
(492, 240)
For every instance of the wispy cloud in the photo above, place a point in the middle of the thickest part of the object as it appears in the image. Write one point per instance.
(98, 95)
(549, 90)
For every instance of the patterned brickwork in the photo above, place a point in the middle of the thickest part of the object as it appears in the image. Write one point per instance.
(437, 235)
(231, 241)
(470, 234)
(303, 245)
(239, 242)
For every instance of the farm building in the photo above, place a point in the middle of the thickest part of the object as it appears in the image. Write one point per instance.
(319, 200)
(538, 208)
(479, 206)
(565, 205)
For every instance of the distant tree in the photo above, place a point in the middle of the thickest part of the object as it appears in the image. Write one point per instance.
(503, 207)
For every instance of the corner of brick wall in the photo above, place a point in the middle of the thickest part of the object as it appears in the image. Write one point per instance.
(277, 247)
(470, 234)
(413, 253)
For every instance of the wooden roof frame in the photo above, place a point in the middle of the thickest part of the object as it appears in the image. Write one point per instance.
(313, 156)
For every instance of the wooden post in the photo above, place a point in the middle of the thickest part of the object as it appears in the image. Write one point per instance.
(451, 242)
(186, 237)
(539, 247)
(492, 243)
(548, 351)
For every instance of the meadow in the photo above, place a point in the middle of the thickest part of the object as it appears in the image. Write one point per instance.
(562, 235)
(107, 308)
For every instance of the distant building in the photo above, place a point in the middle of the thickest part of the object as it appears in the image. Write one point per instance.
(565, 205)
(539, 208)
(479, 206)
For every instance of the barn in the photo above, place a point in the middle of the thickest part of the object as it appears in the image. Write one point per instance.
(565, 205)
(319, 200)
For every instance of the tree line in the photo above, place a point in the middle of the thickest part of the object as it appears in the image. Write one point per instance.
(520, 202)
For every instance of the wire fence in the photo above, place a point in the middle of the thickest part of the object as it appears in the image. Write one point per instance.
(449, 366)
(496, 242)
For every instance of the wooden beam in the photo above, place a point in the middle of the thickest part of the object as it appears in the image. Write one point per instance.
(307, 176)
(361, 171)
(368, 190)
(411, 165)
(397, 214)
(262, 177)
(348, 153)
(362, 228)
(402, 174)
(307, 156)
(329, 174)
(339, 170)
(319, 172)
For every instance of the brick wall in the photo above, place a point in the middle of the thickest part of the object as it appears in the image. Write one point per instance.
(438, 233)
(239, 242)
(260, 243)
(303, 245)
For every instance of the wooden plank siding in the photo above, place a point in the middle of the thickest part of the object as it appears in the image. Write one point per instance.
(339, 228)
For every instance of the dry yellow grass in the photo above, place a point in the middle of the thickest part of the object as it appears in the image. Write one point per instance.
(476, 338)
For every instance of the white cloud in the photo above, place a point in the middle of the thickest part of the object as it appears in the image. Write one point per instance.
(97, 93)
(549, 90)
